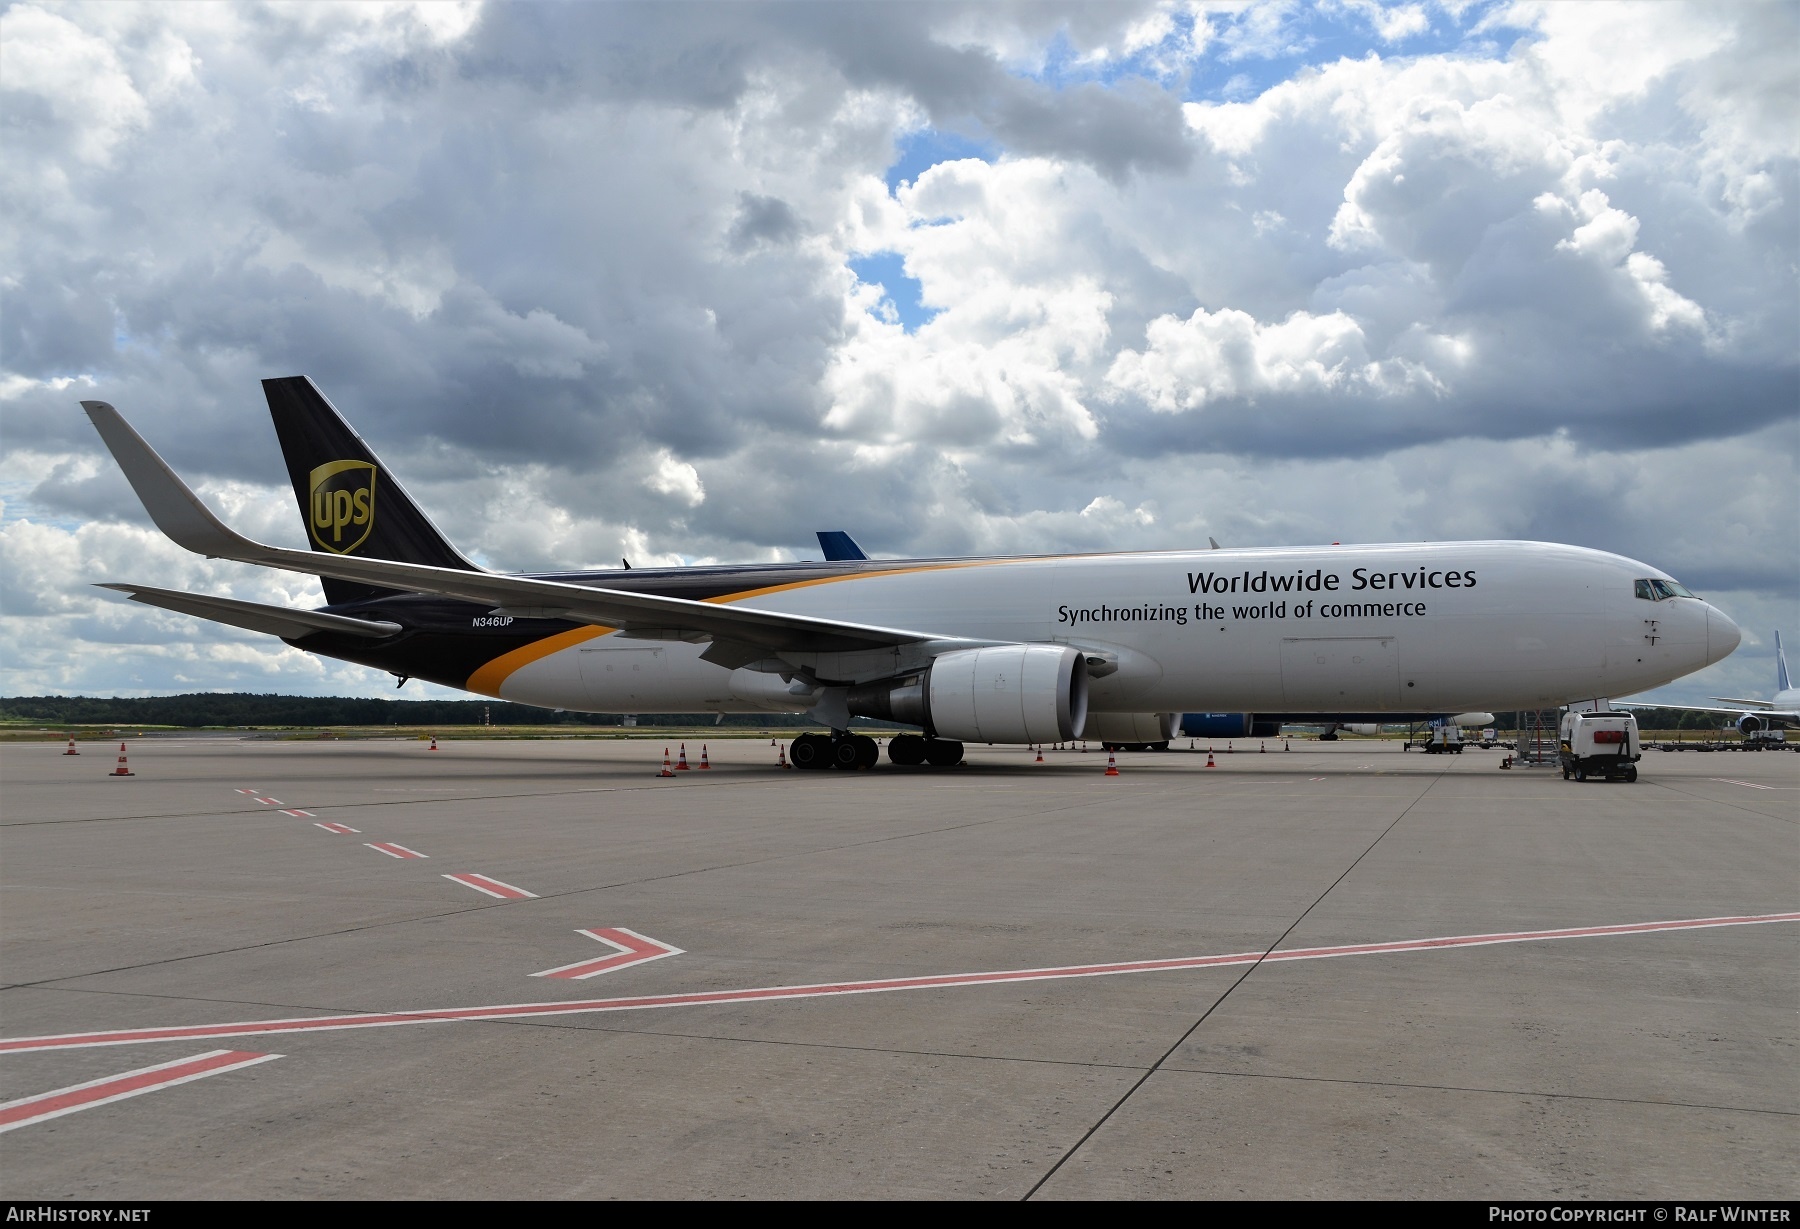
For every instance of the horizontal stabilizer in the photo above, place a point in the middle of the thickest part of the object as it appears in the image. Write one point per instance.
(256, 617)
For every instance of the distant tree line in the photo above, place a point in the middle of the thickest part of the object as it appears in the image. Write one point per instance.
(238, 709)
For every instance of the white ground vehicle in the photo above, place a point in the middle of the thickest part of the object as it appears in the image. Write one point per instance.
(1445, 738)
(1599, 744)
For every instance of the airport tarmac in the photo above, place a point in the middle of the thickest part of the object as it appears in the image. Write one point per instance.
(1002, 981)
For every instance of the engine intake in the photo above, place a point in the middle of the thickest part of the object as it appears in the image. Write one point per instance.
(1012, 693)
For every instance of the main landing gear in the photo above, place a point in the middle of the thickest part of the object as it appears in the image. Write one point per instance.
(860, 751)
(910, 749)
(826, 751)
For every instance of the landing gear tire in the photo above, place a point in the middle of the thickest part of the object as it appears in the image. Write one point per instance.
(810, 751)
(943, 753)
(854, 751)
(907, 750)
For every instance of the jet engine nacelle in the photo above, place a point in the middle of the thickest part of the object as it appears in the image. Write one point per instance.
(1011, 693)
(1131, 728)
(1750, 723)
(1472, 721)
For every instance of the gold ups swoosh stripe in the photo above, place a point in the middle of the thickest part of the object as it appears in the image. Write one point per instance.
(488, 679)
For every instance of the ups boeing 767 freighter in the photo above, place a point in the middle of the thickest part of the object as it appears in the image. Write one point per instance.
(1021, 649)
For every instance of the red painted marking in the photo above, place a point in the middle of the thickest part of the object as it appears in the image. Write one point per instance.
(45, 1106)
(395, 851)
(270, 802)
(631, 948)
(300, 814)
(249, 791)
(331, 827)
(515, 1011)
(493, 887)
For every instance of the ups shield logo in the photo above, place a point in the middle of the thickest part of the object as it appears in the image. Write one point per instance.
(343, 505)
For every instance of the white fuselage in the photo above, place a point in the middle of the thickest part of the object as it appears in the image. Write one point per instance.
(1442, 627)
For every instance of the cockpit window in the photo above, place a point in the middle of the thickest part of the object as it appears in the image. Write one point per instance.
(1656, 589)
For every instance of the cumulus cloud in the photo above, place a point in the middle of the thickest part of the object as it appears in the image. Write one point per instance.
(583, 275)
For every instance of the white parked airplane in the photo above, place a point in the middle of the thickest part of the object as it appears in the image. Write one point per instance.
(995, 650)
(1751, 716)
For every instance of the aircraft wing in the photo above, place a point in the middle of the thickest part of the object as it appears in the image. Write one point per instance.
(256, 617)
(1746, 703)
(739, 634)
(1767, 709)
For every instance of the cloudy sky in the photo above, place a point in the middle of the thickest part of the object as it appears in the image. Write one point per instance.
(686, 282)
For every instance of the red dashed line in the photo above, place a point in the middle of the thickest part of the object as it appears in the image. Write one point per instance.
(300, 814)
(331, 827)
(270, 802)
(395, 851)
(493, 887)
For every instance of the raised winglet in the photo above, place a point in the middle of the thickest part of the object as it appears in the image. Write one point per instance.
(176, 510)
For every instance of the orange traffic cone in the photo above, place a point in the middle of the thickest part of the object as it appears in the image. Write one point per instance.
(681, 765)
(121, 770)
(1262, 748)
(71, 750)
(1228, 746)
(1285, 745)
(1084, 746)
(1209, 759)
(1040, 758)
(433, 746)
(1112, 765)
(703, 760)
(665, 769)
(781, 759)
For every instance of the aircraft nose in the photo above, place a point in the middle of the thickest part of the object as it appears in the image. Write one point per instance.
(1722, 635)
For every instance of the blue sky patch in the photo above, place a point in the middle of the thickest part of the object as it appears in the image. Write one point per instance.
(900, 292)
(925, 148)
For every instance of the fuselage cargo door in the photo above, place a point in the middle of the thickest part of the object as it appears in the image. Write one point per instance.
(625, 679)
(1340, 674)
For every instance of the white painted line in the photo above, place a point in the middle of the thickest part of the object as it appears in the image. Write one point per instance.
(766, 994)
(270, 802)
(493, 887)
(339, 828)
(249, 791)
(300, 814)
(394, 851)
(1745, 784)
(45, 1106)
